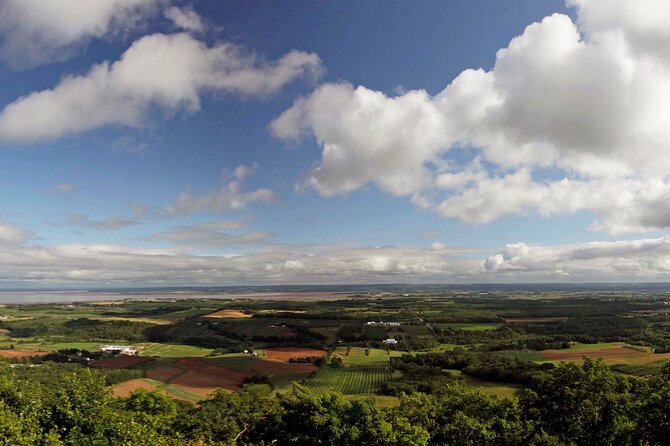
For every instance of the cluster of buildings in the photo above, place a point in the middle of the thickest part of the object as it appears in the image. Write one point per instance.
(122, 349)
(385, 324)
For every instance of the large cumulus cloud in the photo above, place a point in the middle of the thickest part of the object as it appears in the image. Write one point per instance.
(571, 117)
(33, 32)
(158, 72)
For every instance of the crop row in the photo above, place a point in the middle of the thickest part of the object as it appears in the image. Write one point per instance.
(355, 379)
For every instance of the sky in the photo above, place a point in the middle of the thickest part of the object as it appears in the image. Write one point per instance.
(170, 143)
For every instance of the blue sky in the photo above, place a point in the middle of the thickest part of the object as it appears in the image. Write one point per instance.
(157, 142)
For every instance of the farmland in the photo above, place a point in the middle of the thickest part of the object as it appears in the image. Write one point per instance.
(471, 327)
(288, 353)
(352, 379)
(11, 353)
(611, 353)
(353, 355)
(190, 347)
(360, 355)
(172, 350)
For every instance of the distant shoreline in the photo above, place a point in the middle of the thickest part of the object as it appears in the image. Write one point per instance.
(69, 297)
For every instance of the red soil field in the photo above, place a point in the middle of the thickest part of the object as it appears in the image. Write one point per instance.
(20, 353)
(284, 354)
(120, 362)
(203, 378)
(272, 367)
(163, 373)
(124, 389)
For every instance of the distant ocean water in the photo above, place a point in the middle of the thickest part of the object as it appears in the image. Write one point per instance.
(309, 292)
(36, 297)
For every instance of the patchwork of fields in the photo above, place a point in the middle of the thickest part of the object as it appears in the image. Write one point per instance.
(187, 349)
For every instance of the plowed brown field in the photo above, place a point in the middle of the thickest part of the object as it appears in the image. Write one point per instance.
(284, 354)
(163, 373)
(10, 353)
(120, 362)
(202, 378)
(124, 389)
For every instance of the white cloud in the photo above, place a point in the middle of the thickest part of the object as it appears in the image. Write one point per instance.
(36, 31)
(229, 197)
(63, 187)
(293, 265)
(630, 260)
(642, 24)
(367, 137)
(620, 204)
(158, 72)
(24, 260)
(104, 224)
(210, 235)
(587, 101)
(186, 19)
(13, 235)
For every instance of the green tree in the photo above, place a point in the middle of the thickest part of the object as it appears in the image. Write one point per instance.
(464, 416)
(581, 405)
(329, 419)
(243, 416)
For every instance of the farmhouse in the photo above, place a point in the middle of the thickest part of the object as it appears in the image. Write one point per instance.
(123, 349)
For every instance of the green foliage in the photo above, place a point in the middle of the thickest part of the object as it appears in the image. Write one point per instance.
(80, 328)
(465, 416)
(329, 419)
(567, 405)
(247, 416)
(584, 405)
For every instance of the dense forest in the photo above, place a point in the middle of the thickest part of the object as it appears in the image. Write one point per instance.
(568, 404)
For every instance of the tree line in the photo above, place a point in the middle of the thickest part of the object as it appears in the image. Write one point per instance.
(569, 404)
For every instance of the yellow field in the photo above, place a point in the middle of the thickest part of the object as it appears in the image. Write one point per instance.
(610, 352)
(230, 314)
(133, 319)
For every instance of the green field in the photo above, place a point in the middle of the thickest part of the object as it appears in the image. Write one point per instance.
(416, 330)
(470, 327)
(641, 369)
(49, 346)
(361, 355)
(352, 379)
(179, 393)
(496, 388)
(172, 350)
(524, 355)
